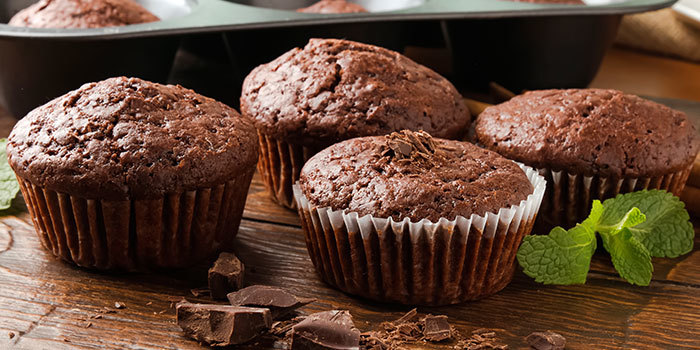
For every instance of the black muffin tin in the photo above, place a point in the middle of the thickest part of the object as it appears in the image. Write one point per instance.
(520, 45)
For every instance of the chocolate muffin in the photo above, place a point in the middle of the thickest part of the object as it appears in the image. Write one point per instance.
(82, 14)
(411, 219)
(333, 90)
(591, 144)
(129, 174)
(333, 6)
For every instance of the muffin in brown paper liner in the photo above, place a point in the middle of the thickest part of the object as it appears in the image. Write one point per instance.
(279, 165)
(176, 230)
(419, 263)
(568, 198)
(126, 174)
(590, 144)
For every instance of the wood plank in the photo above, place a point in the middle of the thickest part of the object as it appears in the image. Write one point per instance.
(44, 301)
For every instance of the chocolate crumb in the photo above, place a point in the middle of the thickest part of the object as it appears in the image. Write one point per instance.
(11, 335)
(225, 276)
(198, 292)
(119, 305)
(436, 328)
(546, 341)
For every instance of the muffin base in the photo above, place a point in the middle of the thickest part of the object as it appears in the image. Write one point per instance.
(569, 196)
(280, 165)
(422, 263)
(176, 230)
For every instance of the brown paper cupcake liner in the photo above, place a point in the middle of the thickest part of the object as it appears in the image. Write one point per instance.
(280, 166)
(176, 230)
(569, 197)
(421, 263)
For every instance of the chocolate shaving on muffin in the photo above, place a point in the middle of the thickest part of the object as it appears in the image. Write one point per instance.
(410, 145)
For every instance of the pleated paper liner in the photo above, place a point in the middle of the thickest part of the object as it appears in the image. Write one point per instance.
(422, 263)
(569, 197)
(280, 165)
(177, 230)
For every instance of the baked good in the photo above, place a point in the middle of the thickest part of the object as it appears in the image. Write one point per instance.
(129, 174)
(333, 90)
(591, 144)
(333, 6)
(82, 14)
(413, 219)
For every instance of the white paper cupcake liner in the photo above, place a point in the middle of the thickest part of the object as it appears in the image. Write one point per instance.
(569, 196)
(424, 263)
(177, 230)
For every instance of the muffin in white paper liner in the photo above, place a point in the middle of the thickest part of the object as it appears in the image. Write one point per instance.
(424, 262)
(569, 196)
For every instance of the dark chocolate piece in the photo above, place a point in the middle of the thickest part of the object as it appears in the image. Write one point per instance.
(222, 325)
(326, 330)
(546, 341)
(279, 301)
(225, 276)
(436, 328)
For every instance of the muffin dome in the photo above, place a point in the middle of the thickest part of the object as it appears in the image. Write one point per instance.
(333, 6)
(590, 131)
(126, 138)
(410, 174)
(332, 90)
(82, 14)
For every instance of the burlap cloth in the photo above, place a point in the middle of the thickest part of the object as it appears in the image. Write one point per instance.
(662, 32)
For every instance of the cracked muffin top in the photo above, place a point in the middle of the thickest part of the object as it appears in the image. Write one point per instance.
(410, 174)
(332, 90)
(333, 6)
(590, 131)
(82, 14)
(126, 138)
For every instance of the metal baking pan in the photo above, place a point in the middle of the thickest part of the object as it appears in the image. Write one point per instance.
(520, 45)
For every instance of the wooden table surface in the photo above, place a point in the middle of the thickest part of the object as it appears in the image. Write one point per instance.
(48, 304)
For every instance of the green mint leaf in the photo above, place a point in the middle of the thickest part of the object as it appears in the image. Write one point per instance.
(629, 256)
(8, 182)
(667, 231)
(562, 257)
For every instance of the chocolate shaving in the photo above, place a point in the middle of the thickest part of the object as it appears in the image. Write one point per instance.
(546, 341)
(410, 145)
(119, 305)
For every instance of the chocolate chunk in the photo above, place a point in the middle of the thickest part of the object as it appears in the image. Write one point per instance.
(546, 341)
(225, 276)
(279, 301)
(222, 325)
(326, 330)
(437, 328)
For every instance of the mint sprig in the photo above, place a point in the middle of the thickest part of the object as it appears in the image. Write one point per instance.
(8, 182)
(633, 226)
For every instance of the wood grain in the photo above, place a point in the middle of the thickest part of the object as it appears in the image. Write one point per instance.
(49, 304)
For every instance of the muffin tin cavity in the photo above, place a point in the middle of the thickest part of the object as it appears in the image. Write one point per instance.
(370, 5)
(164, 9)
